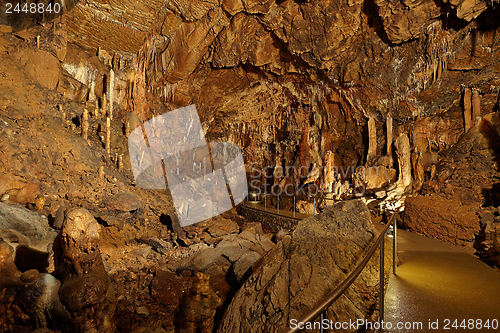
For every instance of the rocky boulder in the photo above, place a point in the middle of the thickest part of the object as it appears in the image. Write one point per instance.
(448, 220)
(241, 251)
(29, 234)
(119, 208)
(303, 268)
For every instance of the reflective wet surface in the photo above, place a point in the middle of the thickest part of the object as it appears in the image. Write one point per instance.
(438, 284)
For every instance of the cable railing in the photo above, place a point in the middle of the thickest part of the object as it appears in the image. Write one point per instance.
(321, 310)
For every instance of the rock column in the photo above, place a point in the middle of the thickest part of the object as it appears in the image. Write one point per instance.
(389, 134)
(467, 110)
(476, 107)
(111, 92)
(404, 153)
(372, 138)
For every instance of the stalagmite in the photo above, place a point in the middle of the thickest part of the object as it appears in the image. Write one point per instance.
(418, 169)
(111, 94)
(389, 134)
(467, 110)
(92, 91)
(37, 42)
(403, 151)
(61, 111)
(372, 138)
(108, 136)
(85, 124)
(329, 172)
(476, 107)
(101, 172)
(96, 109)
(104, 105)
(120, 162)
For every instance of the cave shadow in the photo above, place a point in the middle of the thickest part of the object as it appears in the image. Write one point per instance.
(365, 140)
(490, 133)
(488, 20)
(496, 107)
(375, 21)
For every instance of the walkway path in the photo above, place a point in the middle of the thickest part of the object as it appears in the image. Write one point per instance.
(437, 287)
(439, 282)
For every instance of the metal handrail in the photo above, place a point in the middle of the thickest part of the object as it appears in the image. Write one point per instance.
(322, 307)
(271, 213)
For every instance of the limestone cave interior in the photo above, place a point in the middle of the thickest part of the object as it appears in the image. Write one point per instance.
(341, 113)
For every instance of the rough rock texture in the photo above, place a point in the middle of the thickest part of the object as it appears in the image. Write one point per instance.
(304, 267)
(441, 218)
(450, 208)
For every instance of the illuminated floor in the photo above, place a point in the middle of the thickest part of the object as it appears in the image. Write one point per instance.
(438, 284)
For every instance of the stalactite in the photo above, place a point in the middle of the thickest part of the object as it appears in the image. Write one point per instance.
(372, 138)
(111, 92)
(108, 136)
(104, 105)
(389, 134)
(467, 110)
(476, 107)
(85, 124)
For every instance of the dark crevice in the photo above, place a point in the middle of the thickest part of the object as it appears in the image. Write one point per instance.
(370, 9)
(490, 132)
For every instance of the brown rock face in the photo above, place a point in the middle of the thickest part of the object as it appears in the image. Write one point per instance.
(404, 20)
(441, 218)
(256, 47)
(9, 277)
(41, 66)
(166, 288)
(19, 191)
(86, 290)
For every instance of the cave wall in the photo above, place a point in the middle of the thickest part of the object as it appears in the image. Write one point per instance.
(268, 75)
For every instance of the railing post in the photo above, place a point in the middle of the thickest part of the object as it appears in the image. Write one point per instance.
(265, 202)
(381, 305)
(294, 206)
(278, 204)
(324, 315)
(394, 245)
(314, 206)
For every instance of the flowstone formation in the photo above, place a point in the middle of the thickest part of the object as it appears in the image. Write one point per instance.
(86, 290)
(198, 309)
